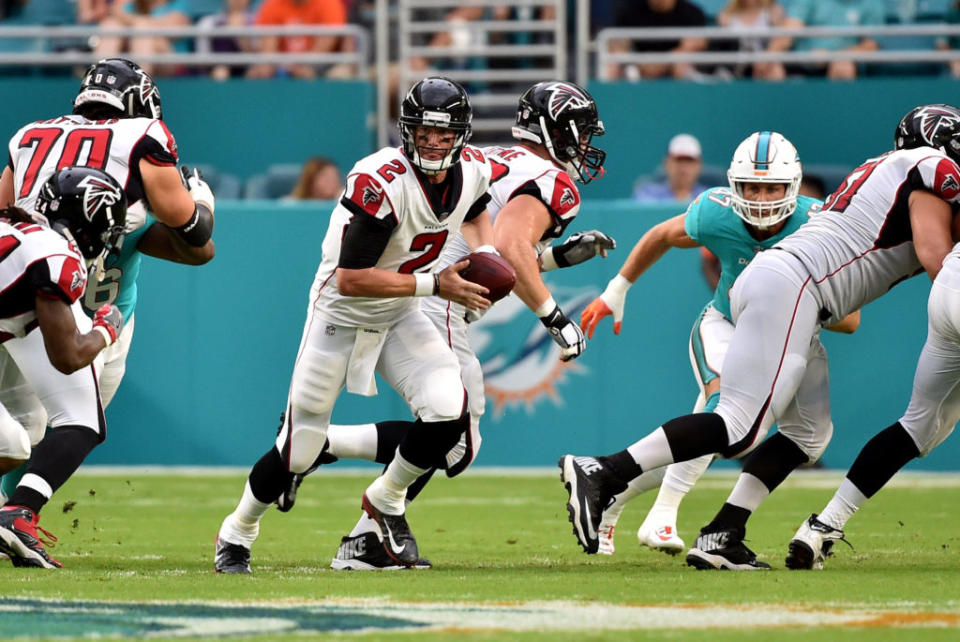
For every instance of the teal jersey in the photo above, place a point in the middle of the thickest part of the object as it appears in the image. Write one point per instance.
(711, 222)
(119, 285)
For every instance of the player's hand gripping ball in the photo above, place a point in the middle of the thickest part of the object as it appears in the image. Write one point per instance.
(492, 272)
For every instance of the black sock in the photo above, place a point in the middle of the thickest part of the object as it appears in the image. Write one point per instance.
(426, 443)
(269, 477)
(728, 517)
(623, 465)
(774, 460)
(414, 489)
(691, 436)
(55, 459)
(881, 458)
(389, 436)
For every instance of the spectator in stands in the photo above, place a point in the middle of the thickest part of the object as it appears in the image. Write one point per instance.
(236, 14)
(682, 167)
(756, 15)
(952, 17)
(832, 13)
(319, 179)
(146, 14)
(658, 13)
(297, 12)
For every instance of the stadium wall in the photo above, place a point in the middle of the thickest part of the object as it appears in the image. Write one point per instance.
(214, 348)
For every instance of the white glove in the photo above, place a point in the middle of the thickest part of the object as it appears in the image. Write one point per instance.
(578, 248)
(564, 332)
(610, 302)
(198, 188)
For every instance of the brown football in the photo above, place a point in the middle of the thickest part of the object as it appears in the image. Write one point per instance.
(492, 272)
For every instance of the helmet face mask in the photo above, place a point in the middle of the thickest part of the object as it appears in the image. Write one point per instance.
(766, 158)
(435, 103)
(121, 84)
(88, 207)
(563, 118)
(935, 125)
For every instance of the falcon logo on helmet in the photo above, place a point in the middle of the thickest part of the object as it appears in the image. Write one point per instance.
(98, 195)
(935, 118)
(563, 97)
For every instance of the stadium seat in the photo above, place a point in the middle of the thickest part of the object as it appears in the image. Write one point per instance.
(277, 182)
(225, 186)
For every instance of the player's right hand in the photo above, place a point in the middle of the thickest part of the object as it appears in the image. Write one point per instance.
(454, 287)
(198, 188)
(610, 302)
(108, 320)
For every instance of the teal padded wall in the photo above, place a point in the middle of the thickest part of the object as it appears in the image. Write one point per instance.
(215, 345)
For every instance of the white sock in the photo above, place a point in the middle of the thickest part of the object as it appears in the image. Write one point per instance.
(677, 482)
(37, 483)
(749, 492)
(846, 501)
(353, 441)
(365, 525)
(636, 486)
(389, 490)
(653, 451)
(242, 526)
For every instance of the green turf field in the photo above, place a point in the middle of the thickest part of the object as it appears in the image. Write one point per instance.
(506, 567)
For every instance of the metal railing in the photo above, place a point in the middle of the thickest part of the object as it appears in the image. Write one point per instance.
(605, 57)
(65, 36)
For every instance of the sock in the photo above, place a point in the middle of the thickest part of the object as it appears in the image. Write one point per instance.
(356, 441)
(364, 525)
(242, 526)
(269, 477)
(678, 480)
(845, 502)
(54, 460)
(881, 458)
(728, 517)
(388, 491)
(635, 487)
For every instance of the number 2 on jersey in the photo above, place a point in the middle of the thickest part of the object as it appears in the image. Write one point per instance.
(95, 142)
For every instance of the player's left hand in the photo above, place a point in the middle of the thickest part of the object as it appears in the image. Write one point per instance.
(581, 247)
(198, 188)
(612, 301)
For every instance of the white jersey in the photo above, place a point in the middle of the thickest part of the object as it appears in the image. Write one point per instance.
(385, 186)
(35, 259)
(115, 146)
(861, 244)
(516, 171)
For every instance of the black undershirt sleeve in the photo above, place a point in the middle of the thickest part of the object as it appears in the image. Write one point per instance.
(477, 208)
(364, 241)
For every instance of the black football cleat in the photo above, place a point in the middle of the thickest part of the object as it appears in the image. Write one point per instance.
(398, 541)
(231, 558)
(21, 542)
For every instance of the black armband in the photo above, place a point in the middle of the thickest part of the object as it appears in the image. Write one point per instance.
(198, 230)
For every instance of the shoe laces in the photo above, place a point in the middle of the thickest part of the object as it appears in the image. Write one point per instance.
(45, 537)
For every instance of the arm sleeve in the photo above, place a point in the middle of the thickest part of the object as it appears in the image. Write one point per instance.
(364, 241)
(477, 208)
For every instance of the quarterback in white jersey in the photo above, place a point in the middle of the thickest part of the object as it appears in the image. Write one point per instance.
(385, 236)
(43, 273)
(933, 130)
(779, 304)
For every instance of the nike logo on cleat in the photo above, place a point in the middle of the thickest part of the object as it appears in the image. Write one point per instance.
(393, 543)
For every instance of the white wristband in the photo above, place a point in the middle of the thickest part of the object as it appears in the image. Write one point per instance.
(424, 284)
(546, 307)
(619, 285)
(547, 262)
(487, 248)
(105, 334)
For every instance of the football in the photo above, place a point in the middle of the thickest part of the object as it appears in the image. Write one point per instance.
(492, 272)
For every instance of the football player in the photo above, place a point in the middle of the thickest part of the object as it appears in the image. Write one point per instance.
(116, 126)
(534, 197)
(397, 212)
(934, 409)
(889, 220)
(758, 209)
(43, 273)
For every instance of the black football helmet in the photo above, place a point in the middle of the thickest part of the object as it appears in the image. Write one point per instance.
(936, 125)
(563, 117)
(88, 207)
(122, 84)
(435, 102)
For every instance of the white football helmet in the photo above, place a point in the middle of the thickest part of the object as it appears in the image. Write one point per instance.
(765, 157)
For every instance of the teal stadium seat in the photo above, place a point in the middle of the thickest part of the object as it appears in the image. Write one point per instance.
(277, 182)
(225, 186)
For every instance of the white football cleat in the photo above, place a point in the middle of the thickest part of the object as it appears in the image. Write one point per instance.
(660, 537)
(812, 544)
(605, 532)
